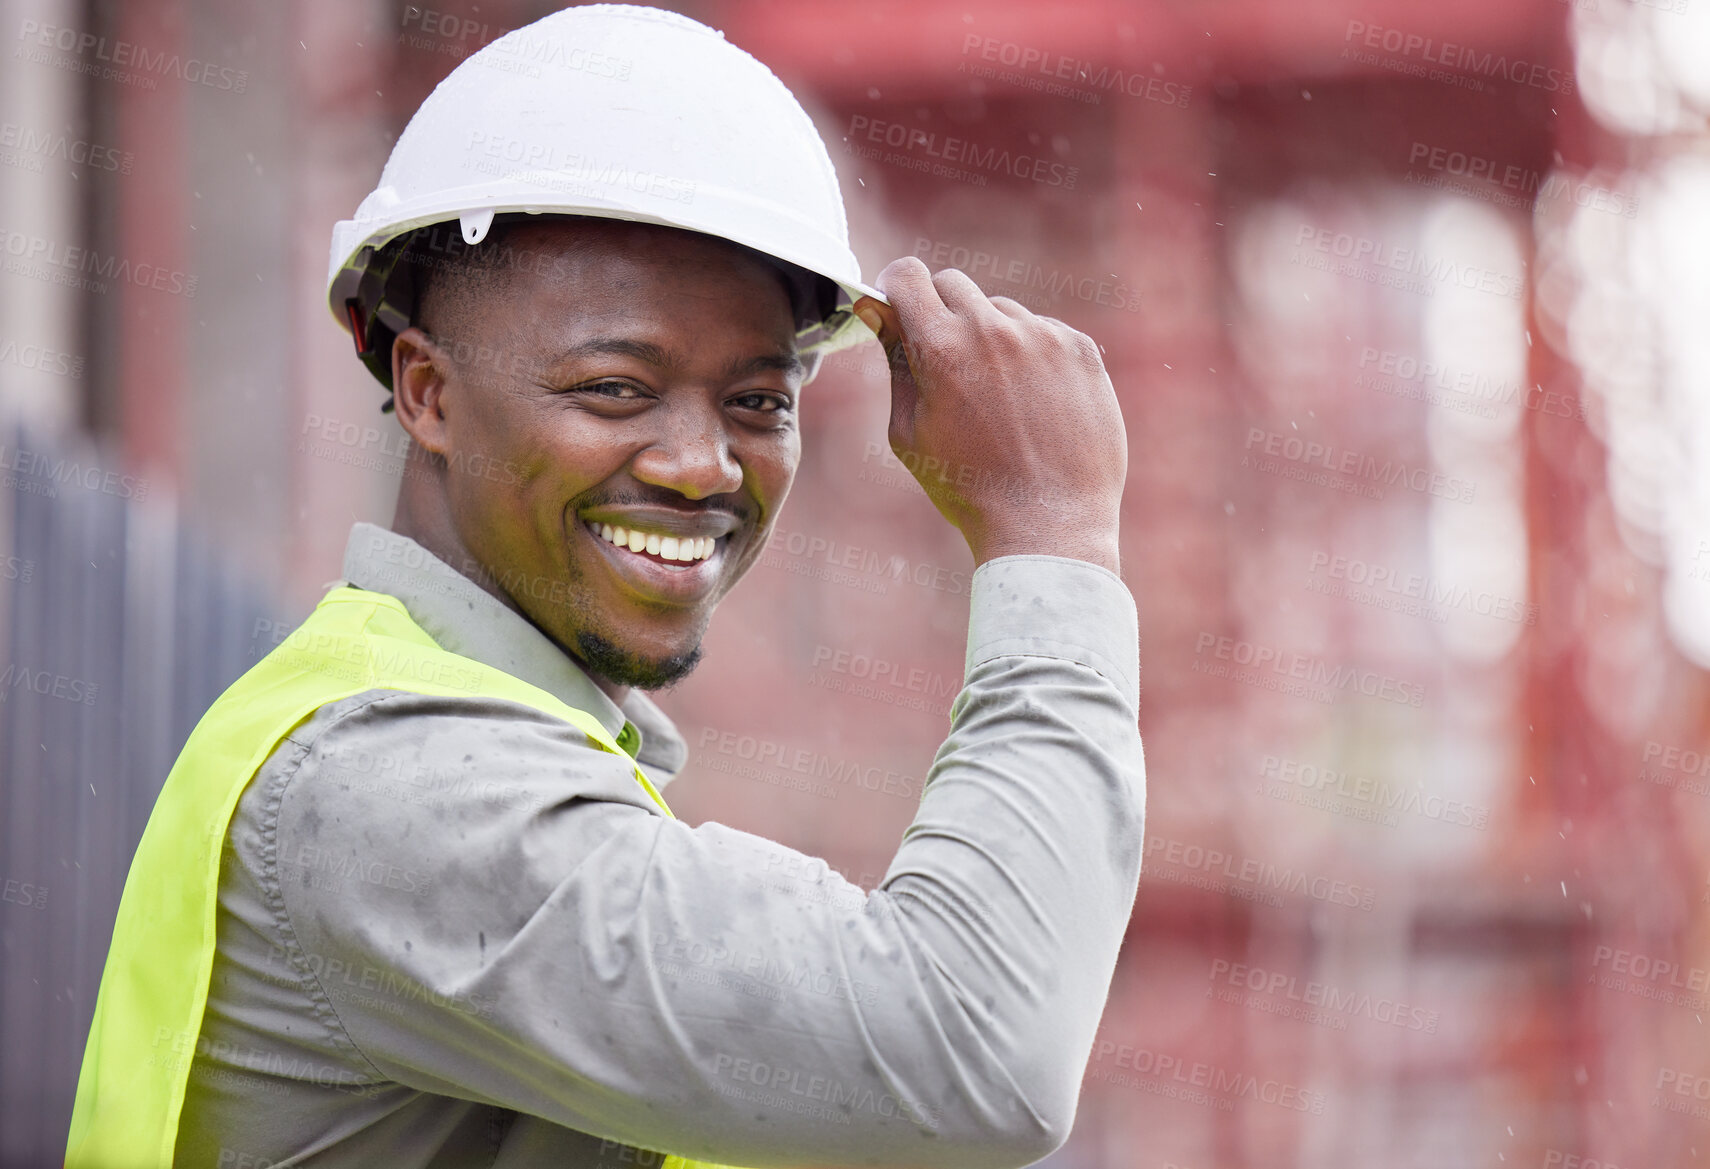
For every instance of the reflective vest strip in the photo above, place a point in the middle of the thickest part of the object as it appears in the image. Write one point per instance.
(154, 989)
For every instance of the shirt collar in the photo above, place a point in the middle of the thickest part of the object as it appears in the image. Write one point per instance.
(467, 620)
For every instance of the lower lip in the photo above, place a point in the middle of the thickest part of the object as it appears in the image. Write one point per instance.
(673, 582)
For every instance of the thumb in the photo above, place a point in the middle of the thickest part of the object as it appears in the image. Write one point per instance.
(882, 319)
(879, 317)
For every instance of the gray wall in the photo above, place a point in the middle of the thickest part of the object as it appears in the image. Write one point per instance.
(117, 629)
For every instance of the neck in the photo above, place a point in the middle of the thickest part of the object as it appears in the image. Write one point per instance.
(429, 524)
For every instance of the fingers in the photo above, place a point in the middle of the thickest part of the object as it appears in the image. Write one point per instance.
(909, 285)
(922, 300)
(917, 295)
(961, 296)
(959, 292)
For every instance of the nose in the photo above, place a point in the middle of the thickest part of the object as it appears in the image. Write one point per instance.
(692, 456)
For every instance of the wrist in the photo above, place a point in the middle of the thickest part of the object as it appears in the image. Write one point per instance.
(1105, 553)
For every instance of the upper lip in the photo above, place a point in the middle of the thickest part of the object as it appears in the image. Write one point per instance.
(665, 521)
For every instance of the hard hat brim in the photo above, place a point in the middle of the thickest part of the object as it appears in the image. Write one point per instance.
(350, 240)
(356, 297)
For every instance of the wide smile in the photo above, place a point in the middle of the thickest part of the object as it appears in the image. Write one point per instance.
(662, 566)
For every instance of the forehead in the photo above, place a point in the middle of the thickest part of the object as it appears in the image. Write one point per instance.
(544, 286)
(620, 261)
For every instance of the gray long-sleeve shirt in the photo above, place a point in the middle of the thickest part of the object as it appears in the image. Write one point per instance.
(451, 933)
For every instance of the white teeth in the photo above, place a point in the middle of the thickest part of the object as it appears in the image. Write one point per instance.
(683, 549)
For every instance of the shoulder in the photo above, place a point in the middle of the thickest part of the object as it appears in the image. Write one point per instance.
(392, 813)
(388, 751)
(376, 795)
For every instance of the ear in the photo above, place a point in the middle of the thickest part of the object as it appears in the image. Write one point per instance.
(420, 372)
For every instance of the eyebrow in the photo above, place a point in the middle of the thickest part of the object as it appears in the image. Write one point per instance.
(664, 358)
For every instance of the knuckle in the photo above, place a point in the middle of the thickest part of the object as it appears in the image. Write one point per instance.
(1072, 340)
(999, 333)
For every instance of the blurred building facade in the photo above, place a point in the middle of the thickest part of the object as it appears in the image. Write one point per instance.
(1399, 303)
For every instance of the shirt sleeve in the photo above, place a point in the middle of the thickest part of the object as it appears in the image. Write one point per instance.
(496, 911)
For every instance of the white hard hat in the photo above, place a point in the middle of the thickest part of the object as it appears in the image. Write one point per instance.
(617, 111)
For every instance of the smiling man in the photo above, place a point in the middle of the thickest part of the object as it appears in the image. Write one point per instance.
(652, 439)
(412, 897)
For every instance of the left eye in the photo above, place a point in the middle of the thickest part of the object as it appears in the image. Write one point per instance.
(769, 403)
(610, 389)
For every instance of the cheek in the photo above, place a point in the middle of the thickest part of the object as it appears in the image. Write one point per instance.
(549, 464)
(773, 470)
(508, 493)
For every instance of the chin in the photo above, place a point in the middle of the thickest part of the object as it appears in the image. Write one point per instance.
(626, 667)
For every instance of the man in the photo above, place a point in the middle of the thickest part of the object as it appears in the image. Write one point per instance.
(453, 922)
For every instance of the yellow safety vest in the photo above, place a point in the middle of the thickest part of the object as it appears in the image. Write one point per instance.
(155, 986)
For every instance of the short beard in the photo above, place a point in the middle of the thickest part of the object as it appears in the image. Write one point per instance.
(623, 668)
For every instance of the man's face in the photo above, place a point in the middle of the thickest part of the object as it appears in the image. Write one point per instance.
(643, 384)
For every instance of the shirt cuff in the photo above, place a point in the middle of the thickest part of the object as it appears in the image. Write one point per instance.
(1056, 607)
